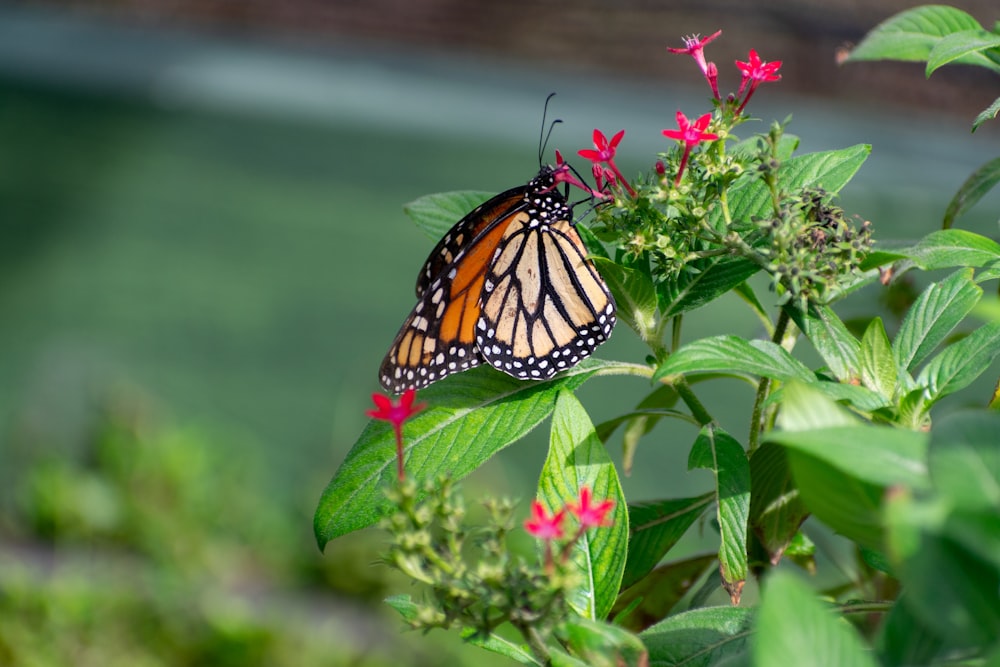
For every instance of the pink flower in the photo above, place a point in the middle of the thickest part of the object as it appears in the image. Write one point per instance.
(691, 134)
(542, 525)
(694, 46)
(755, 71)
(590, 515)
(604, 153)
(396, 414)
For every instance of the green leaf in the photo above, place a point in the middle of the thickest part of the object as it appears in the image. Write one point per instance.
(652, 598)
(904, 640)
(959, 364)
(879, 455)
(794, 628)
(952, 590)
(842, 473)
(436, 214)
(835, 344)
(964, 460)
(700, 637)
(734, 355)
(989, 113)
(656, 528)
(860, 398)
(576, 459)
(847, 504)
(831, 170)
(965, 47)
(979, 182)
(950, 248)
(804, 408)
(634, 295)
(560, 658)
(604, 645)
(937, 311)
(493, 643)
(911, 35)
(878, 368)
(776, 510)
(471, 416)
(719, 452)
(714, 277)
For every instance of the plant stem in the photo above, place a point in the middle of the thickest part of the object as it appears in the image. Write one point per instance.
(687, 395)
(764, 386)
(535, 642)
(866, 607)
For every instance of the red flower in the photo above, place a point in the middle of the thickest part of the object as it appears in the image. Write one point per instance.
(605, 149)
(605, 153)
(396, 414)
(694, 46)
(691, 134)
(543, 526)
(755, 71)
(603, 175)
(590, 515)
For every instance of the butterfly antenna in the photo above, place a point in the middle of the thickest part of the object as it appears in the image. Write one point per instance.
(543, 136)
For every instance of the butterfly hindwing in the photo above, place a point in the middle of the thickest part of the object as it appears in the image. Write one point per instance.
(544, 306)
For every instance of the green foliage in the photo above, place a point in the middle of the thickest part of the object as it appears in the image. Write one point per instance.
(942, 35)
(152, 547)
(469, 420)
(577, 459)
(862, 444)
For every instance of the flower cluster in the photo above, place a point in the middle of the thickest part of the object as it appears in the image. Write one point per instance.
(674, 223)
(473, 580)
(549, 527)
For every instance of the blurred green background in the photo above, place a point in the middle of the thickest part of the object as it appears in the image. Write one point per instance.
(203, 260)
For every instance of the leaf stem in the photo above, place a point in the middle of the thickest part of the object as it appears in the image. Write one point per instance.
(764, 386)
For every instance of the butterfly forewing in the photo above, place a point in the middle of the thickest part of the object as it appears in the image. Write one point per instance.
(465, 232)
(438, 337)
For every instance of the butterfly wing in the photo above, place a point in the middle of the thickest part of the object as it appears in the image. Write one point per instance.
(465, 232)
(438, 337)
(544, 306)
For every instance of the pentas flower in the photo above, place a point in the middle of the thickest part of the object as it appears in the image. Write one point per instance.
(396, 413)
(691, 134)
(603, 176)
(604, 153)
(549, 528)
(694, 46)
(563, 174)
(755, 71)
(589, 514)
(544, 526)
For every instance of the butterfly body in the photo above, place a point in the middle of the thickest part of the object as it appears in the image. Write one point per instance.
(509, 285)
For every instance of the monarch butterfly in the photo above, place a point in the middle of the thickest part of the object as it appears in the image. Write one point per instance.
(509, 285)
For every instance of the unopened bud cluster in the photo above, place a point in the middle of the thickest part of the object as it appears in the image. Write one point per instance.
(472, 579)
(813, 247)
